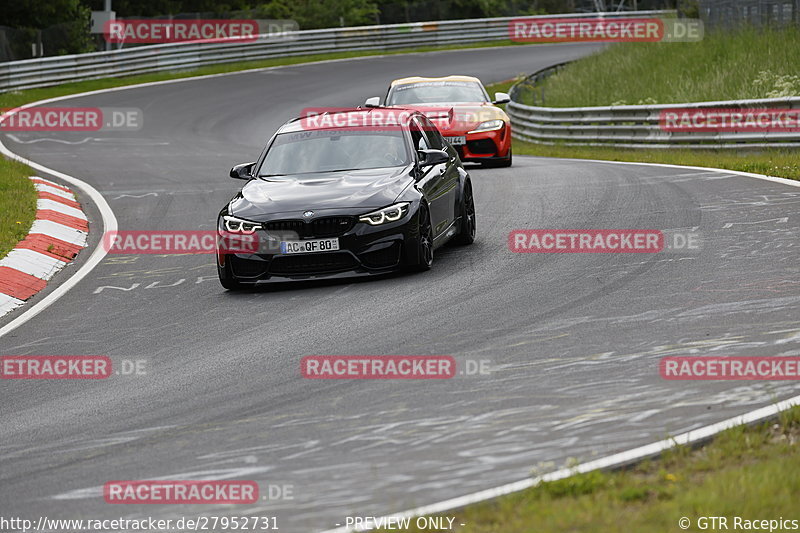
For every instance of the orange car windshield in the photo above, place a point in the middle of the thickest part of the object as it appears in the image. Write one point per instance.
(430, 92)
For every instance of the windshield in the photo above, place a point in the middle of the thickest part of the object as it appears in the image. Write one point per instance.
(334, 150)
(435, 92)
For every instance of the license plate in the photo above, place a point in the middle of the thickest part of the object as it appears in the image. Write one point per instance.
(310, 246)
(455, 141)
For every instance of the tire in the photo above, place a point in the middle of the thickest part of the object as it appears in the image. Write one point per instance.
(500, 163)
(227, 280)
(466, 234)
(424, 255)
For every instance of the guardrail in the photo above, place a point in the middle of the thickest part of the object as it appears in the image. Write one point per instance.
(756, 12)
(43, 72)
(635, 126)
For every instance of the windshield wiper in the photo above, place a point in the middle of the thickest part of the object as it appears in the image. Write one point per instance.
(312, 172)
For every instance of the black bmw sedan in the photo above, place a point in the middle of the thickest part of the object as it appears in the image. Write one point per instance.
(342, 193)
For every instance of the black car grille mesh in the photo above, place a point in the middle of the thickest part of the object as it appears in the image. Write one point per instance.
(312, 263)
(385, 257)
(247, 268)
(482, 146)
(285, 226)
(317, 228)
(331, 226)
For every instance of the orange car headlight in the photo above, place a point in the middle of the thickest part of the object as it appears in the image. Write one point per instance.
(489, 125)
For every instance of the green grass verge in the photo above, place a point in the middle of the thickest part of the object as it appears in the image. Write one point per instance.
(747, 63)
(17, 204)
(749, 472)
(17, 98)
(503, 87)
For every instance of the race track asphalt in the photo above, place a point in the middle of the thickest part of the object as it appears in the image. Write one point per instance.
(573, 340)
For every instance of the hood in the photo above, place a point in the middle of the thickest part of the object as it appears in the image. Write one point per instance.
(459, 118)
(259, 199)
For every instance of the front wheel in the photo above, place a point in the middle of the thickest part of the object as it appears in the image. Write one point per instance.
(466, 234)
(424, 259)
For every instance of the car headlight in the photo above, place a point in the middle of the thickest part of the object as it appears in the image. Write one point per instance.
(489, 125)
(238, 225)
(393, 213)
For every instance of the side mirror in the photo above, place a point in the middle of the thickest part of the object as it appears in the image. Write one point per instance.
(431, 157)
(373, 101)
(501, 98)
(243, 171)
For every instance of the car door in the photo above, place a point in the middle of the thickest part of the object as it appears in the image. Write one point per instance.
(430, 183)
(447, 182)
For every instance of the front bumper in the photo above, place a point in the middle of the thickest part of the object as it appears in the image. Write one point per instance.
(485, 145)
(363, 250)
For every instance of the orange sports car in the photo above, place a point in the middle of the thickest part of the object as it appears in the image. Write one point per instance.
(463, 112)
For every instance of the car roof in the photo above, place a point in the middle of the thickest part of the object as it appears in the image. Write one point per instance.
(418, 79)
(356, 118)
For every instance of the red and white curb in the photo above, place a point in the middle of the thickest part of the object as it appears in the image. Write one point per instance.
(55, 238)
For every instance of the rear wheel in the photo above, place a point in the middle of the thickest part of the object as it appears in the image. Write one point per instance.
(424, 259)
(466, 235)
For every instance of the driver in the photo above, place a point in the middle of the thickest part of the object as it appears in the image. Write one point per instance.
(386, 152)
(395, 152)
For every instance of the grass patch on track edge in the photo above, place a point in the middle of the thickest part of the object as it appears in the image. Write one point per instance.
(17, 203)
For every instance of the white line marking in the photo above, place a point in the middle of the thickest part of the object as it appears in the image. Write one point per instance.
(7, 303)
(135, 195)
(782, 220)
(611, 461)
(58, 231)
(52, 205)
(109, 224)
(54, 190)
(46, 139)
(51, 183)
(32, 263)
(785, 181)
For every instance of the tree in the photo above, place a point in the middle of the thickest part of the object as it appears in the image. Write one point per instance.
(64, 25)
